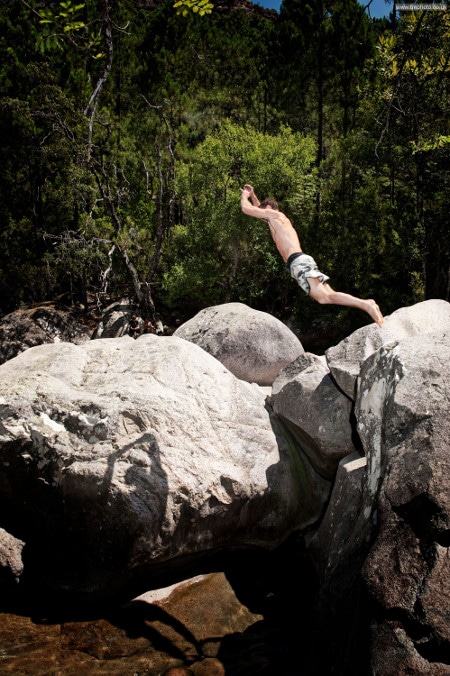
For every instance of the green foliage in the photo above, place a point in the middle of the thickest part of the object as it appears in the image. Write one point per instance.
(183, 107)
(187, 61)
(217, 253)
(410, 102)
(58, 23)
(326, 45)
(201, 7)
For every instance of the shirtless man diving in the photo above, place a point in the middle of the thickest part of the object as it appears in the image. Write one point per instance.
(302, 267)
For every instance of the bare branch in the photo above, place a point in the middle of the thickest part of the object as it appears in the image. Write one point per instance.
(93, 101)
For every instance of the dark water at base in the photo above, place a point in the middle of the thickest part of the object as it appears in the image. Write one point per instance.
(279, 586)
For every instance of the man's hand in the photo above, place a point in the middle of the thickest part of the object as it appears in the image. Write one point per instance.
(249, 192)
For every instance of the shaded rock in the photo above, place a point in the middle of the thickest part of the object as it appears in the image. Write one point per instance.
(402, 412)
(120, 459)
(345, 359)
(23, 329)
(115, 322)
(384, 567)
(232, 619)
(253, 345)
(11, 564)
(184, 624)
(393, 653)
(115, 319)
(196, 614)
(331, 546)
(316, 412)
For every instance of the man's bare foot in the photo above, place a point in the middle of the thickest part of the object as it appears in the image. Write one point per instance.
(375, 312)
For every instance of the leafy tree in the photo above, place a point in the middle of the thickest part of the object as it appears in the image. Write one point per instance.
(119, 152)
(98, 149)
(383, 187)
(323, 48)
(218, 254)
(201, 7)
(127, 132)
(45, 185)
(187, 61)
(411, 99)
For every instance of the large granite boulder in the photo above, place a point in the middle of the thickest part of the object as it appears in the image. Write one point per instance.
(253, 345)
(385, 535)
(403, 410)
(119, 455)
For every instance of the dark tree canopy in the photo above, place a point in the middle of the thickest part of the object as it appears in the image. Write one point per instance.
(128, 128)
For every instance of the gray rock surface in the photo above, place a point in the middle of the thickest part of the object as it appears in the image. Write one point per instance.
(115, 319)
(253, 345)
(345, 359)
(331, 546)
(118, 456)
(403, 412)
(121, 454)
(395, 544)
(316, 412)
(11, 564)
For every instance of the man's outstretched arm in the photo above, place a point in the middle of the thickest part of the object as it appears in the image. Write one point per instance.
(249, 208)
(246, 206)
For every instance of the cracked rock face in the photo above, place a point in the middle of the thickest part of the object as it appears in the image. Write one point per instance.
(318, 414)
(431, 317)
(407, 569)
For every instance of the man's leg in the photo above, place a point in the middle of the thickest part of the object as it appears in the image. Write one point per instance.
(324, 294)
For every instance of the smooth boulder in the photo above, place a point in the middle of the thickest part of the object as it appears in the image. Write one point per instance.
(318, 414)
(253, 345)
(119, 455)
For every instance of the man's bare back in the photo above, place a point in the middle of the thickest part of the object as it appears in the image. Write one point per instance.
(283, 234)
(287, 242)
(282, 231)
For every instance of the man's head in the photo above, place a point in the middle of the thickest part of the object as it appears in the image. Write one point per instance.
(269, 203)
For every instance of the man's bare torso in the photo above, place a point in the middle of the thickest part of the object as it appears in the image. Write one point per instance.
(283, 233)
